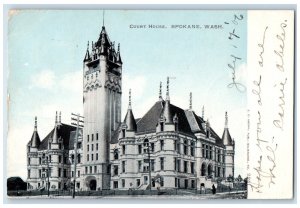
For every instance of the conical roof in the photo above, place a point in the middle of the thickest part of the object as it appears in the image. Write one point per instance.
(226, 138)
(130, 121)
(35, 139)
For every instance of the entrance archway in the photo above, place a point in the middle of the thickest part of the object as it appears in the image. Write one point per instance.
(93, 185)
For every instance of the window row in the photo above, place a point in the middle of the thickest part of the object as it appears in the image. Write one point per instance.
(92, 137)
(186, 148)
(88, 158)
(92, 147)
(138, 183)
(188, 167)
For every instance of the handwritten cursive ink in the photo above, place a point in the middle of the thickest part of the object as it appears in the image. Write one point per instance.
(262, 46)
(272, 159)
(279, 122)
(257, 91)
(280, 52)
(240, 87)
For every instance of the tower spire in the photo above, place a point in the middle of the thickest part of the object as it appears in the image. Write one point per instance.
(103, 18)
(55, 118)
(191, 101)
(35, 124)
(59, 118)
(226, 120)
(167, 93)
(160, 94)
(203, 112)
(129, 102)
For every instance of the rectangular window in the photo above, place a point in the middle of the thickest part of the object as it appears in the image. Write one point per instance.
(92, 137)
(97, 146)
(178, 165)
(28, 173)
(92, 157)
(92, 147)
(87, 157)
(78, 185)
(178, 146)
(192, 148)
(223, 172)
(86, 170)
(59, 185)
(116, 170)
(91, 169)
(78, 173)
(79, 158)
(140, 149)
(152, 165)
(175, 163)
(175, 145)
(88, 147)
(123, 166)
(123, 149)
(175, 182)
(59, 159)
(59, 172)
(97, 136)
(50, 159)
(185, 168)
(161, 144)
(65, 160)
(115, 184)
(96, 156)
(72, 173)
(192, 167)
(203, 150)
(206, 151)
(40, 160)
(219, 155)
(79, 145)
(95, 169)
(65, 173)
(152, 147)
(123, 183)
(40, 173)
(162, 165)
(140, 166)
(193, 183)
(28, 161)
(138, 182)
(88, 138)
(185, 146)
(210, 152)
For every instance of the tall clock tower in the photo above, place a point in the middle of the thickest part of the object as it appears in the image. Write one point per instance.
(102, 90)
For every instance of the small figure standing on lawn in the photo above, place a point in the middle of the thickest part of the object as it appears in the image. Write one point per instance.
(213, 189)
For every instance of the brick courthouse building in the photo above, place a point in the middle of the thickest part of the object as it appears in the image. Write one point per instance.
(176, 148)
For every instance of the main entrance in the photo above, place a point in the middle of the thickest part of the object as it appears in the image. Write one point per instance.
(91, 183)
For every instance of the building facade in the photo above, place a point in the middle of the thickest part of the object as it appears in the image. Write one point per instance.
(168, 147)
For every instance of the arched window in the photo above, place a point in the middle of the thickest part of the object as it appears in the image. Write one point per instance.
(116, 154)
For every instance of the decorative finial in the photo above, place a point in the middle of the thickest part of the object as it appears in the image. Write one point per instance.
(55, 117)
(129, 103)
(59, 120)
(88, 45)
(226, 120)
(118, 47)
(168, 95)
(35, 123)
(160, 95)
(103, 18)
(203, 112)
(191, 101)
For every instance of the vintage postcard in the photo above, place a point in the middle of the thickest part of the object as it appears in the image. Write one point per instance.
(155, 104)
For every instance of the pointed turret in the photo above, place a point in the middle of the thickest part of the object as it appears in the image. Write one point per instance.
(103, 42)
(226, 138)
(54, 135)
(119, 59)
(87, 54)
(35, 139)
(167, 108)
(129, 118)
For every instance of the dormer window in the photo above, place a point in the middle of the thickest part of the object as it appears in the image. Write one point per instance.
(116, 154)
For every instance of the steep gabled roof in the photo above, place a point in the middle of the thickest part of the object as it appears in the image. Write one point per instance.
(149, 121)
(63, 131)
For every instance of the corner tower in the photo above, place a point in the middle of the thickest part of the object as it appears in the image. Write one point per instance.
(102, 89)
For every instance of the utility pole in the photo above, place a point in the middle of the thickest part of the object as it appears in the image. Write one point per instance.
(79, 123)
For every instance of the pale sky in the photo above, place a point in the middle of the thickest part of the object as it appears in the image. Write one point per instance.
(46, 50)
